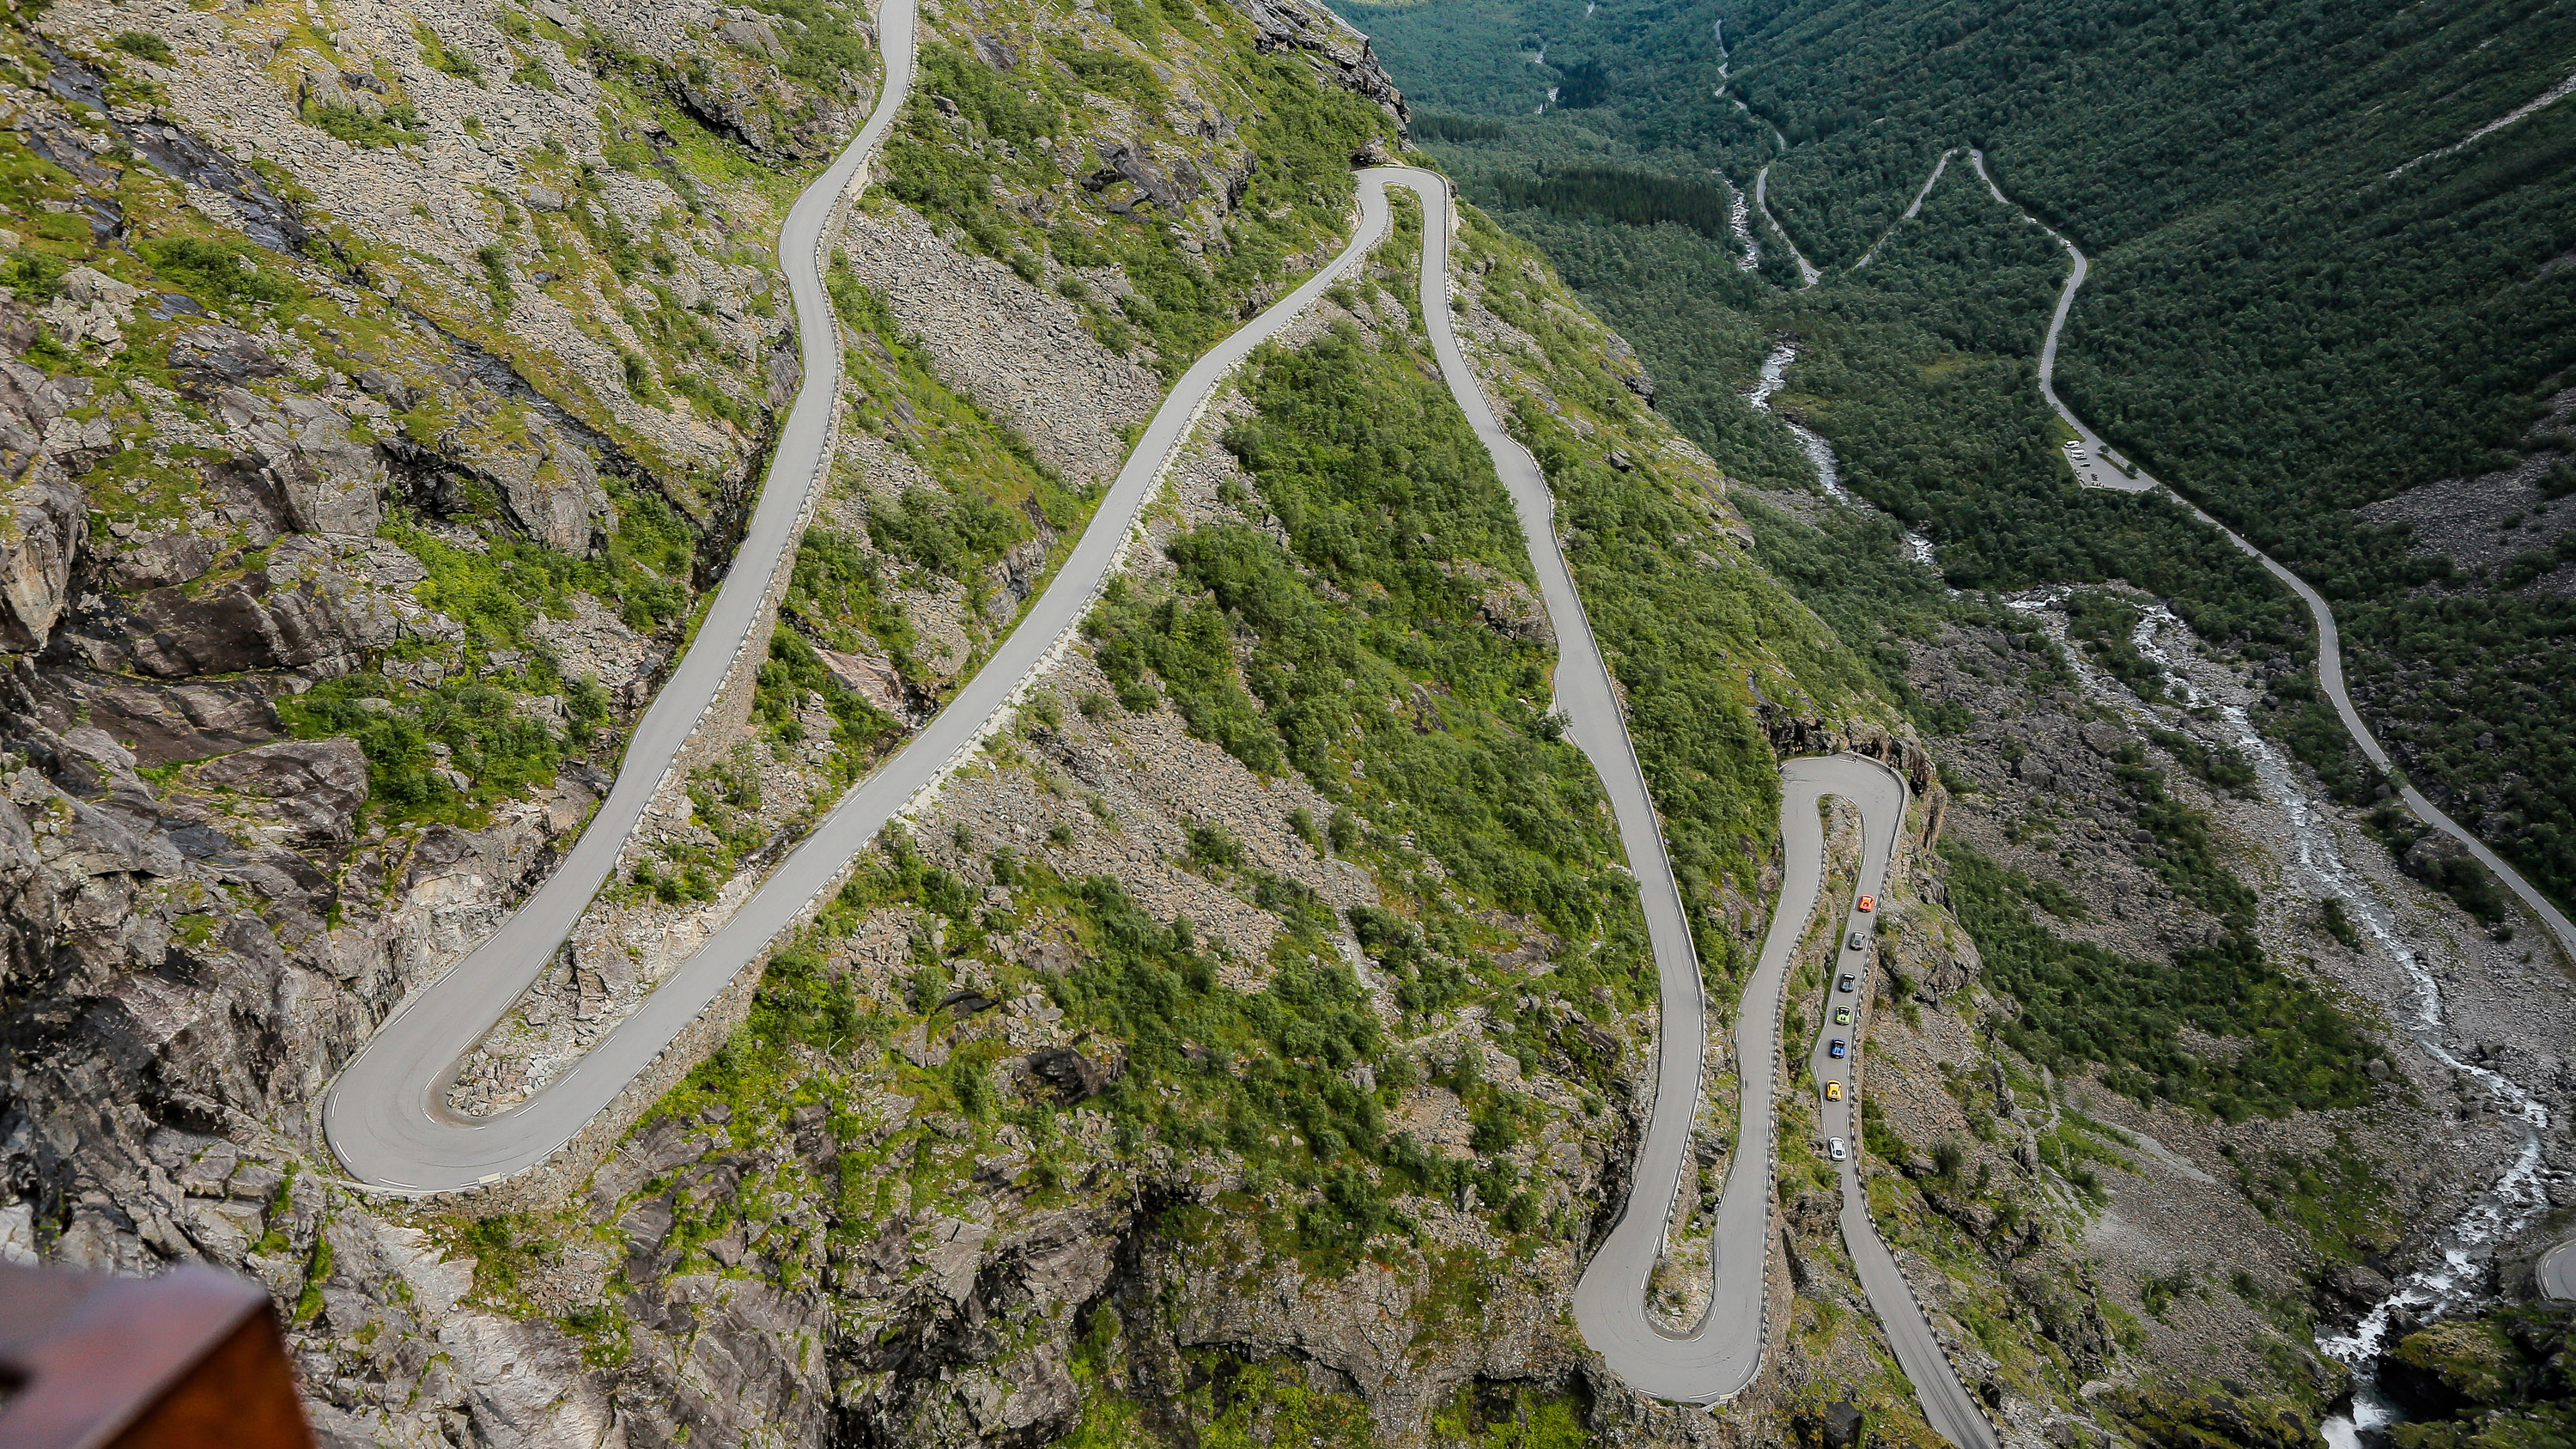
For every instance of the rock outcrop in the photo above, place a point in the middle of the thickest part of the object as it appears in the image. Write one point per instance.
(43, 518)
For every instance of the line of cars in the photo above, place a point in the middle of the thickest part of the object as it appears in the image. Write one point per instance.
(1846, 983)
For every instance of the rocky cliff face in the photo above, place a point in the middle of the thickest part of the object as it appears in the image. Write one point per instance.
(381, 386)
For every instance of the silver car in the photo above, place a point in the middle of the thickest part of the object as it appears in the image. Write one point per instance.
(1834, 1148)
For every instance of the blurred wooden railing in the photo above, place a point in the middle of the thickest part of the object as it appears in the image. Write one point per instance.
(189, 1360)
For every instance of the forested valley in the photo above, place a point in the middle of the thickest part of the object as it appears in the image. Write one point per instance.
(2308, 296)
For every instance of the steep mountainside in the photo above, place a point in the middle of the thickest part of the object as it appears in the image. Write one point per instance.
(2145, 781)
(1247, 1043)
(2330, 296)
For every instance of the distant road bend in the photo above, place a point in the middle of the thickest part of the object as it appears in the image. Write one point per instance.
(386, 1117)
(2096, 466)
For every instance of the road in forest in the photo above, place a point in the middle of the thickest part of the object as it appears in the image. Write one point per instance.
(387, 1117)
(2097, 467)
(1808, 276)
(1913, 208)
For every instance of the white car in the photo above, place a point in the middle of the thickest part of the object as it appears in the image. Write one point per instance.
(1834, 1148)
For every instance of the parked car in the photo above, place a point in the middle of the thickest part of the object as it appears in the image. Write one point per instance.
(1836, 1049)
(1868, 904)
(1842, 1016)
(1846, 983)
(1834, 1148)
(1833, 1091)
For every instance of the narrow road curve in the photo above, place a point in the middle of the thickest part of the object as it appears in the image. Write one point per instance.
(1808, 276)
(386, 1117)
(1880, 795)
(1610, 1301)
(2095, 471)
(2558, 1272)
(1724, 1351)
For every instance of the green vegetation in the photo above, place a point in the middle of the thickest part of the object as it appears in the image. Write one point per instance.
(221, 274)
(724, 800)
(144, 44)
(1432, 126)
(824, 50)
(395, 125)
(959, 169)
(1510, 1417)
(994, 492)
(793, 671)
(1400, 701)
(834, 592)
(443, 58)
(448, 751)
(1611, 193)
(2502, 1379)
(2082, 1005)
(503, 1246)
(2337, 1200)
(2284, 278)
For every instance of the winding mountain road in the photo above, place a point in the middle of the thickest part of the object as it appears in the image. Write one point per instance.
(1880, 795)
(1723, 1351)
(1609, 1302)
(2094, 470)
(386, 1116)
(1721, 1354)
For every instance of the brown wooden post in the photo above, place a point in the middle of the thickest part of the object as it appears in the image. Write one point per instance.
(189, 1360)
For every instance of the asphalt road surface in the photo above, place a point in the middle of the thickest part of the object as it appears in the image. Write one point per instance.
(2558, 1272)
(387, 1118)
(1808, 276)
(1609, 1303)
(1913, 209)
(1718, 1358)
(1880, 795)
(2093, 470)
(384, 1117)
(1721, 1354)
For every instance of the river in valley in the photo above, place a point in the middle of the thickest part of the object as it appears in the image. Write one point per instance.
(2454, 1276)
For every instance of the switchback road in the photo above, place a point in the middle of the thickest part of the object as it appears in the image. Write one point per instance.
(1724, 1351)
(386, 1117)
(1880, 796)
